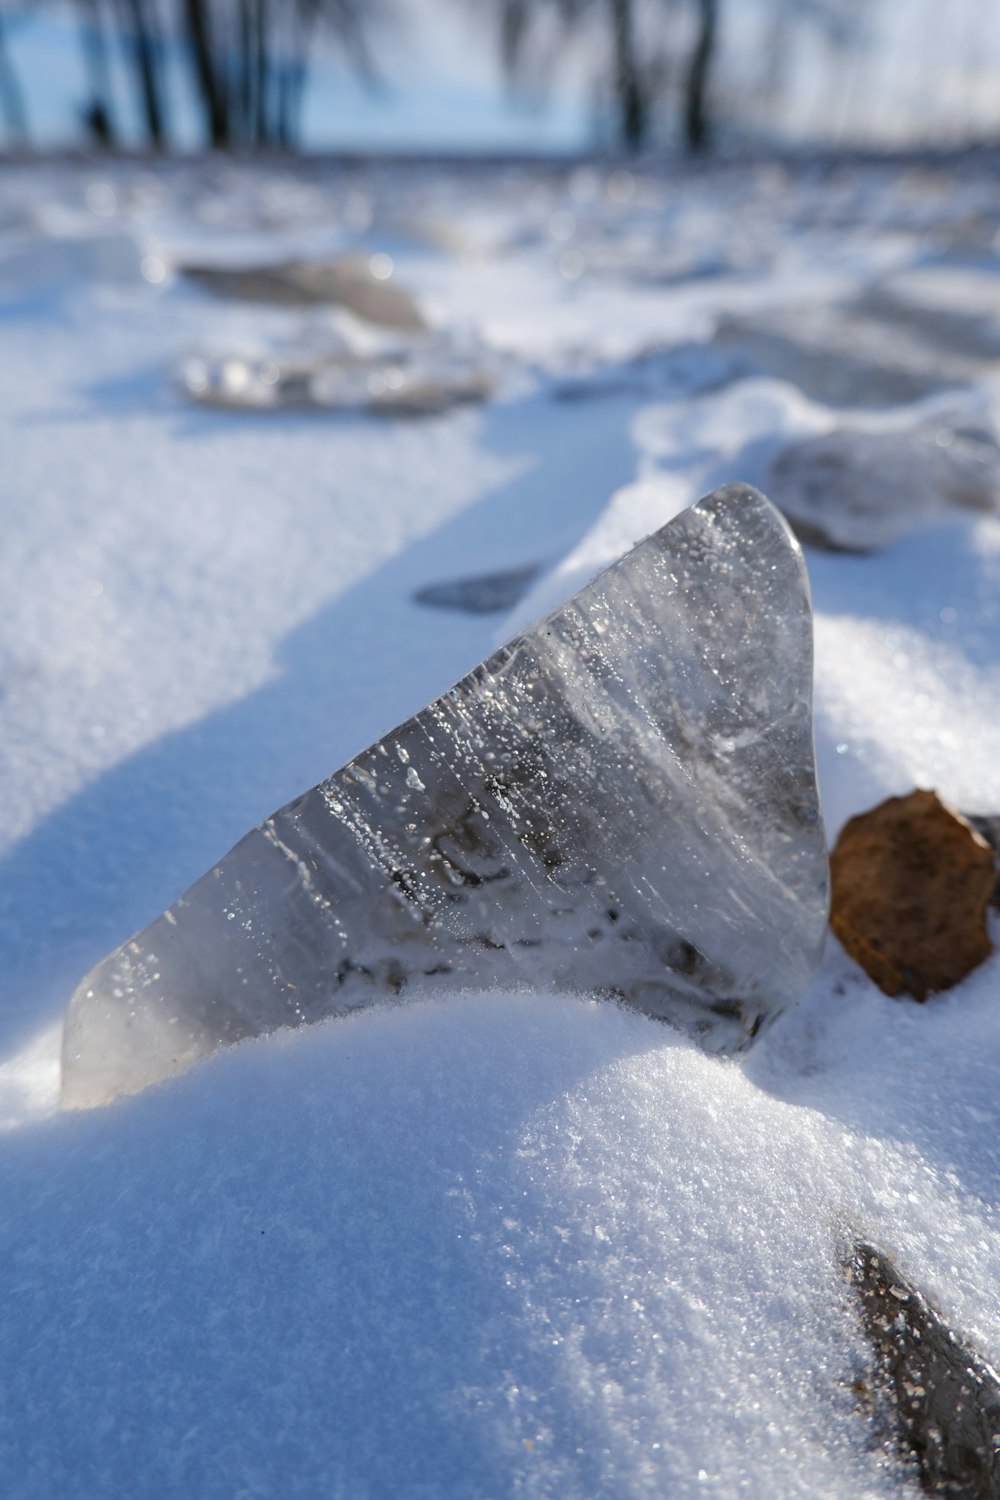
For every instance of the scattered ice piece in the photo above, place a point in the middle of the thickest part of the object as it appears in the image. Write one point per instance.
(430, 380)
(621, 801)
(407, 383)
(846, 481)
(856, 491)
(362, 284)
(254, 383)
(486, 594)
(952, 305)
(870, 352)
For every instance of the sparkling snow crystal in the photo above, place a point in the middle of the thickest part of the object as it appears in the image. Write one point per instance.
(620, 801)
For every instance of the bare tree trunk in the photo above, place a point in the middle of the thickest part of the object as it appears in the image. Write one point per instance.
(264, 126)
(99, 114)
(697, 124)
(241, 91)
(148, 62)
(11, 98)
(628, 86)
(290, 84)
(209, 82)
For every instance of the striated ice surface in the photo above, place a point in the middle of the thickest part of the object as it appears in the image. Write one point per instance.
(621, 801)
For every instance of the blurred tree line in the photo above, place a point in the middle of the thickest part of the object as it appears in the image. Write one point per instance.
(246, 62)
(660, 56)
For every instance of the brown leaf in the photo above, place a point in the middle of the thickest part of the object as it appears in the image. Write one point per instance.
(910, 884)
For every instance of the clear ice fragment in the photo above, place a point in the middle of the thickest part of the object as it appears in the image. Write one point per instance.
(852, 490)
(619, 802)
(420, 382)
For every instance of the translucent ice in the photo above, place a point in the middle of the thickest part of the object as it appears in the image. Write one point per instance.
(418, 381)
(865, 352)
(621, 802)
(855, 491)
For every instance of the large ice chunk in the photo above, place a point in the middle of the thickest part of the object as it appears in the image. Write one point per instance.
(620, 802)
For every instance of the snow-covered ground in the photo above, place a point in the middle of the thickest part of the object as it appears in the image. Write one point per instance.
(510, 1245)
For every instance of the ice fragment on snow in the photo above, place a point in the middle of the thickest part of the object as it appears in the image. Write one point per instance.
(410, 383)
(620, 801)
(856, 491)
(359, 283)
(871, 351)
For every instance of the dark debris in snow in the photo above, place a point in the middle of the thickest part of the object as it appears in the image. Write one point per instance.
(944, 1401)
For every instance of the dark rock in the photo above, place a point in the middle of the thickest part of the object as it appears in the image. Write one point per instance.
(943, 1400)
(486, 594)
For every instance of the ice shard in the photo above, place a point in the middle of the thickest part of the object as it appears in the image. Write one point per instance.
(417, 382)
(619, 802)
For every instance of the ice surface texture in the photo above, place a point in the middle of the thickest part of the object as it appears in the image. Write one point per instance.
(621, 801)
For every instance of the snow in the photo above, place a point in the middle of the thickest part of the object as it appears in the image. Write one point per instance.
(503, 1245)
